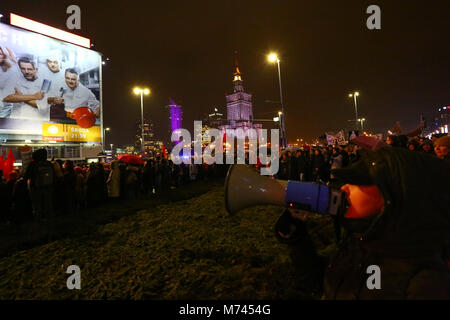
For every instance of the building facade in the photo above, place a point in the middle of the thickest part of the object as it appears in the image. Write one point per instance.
(240, 107)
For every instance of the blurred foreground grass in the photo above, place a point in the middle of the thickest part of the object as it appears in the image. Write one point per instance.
(188, 249)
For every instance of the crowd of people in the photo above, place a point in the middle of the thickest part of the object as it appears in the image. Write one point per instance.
(50, 188)
(314, 164)
(46, 189)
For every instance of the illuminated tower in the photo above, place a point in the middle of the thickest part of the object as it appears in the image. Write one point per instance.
(239, 103)
(176, 115)
(239, 106)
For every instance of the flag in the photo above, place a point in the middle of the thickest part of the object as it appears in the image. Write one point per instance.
(8, 164)
(224, 141)
(164, 152)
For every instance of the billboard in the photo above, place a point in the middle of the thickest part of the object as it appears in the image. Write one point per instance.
(49, 89)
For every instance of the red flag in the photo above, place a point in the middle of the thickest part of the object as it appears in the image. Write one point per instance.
(224, 141)
(8, 164)
(164, 151)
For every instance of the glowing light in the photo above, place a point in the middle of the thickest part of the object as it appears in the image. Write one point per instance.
(53, 129)
(272, 57)
(146, 91)
(44, 29)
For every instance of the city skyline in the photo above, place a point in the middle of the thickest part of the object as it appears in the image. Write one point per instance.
(186, 51)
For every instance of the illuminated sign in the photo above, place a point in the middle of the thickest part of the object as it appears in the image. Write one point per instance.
(53, 32)
(74, 133)
(49, 58)
(69, 133)
(52, 132)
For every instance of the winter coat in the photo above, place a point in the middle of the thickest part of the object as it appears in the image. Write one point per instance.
(113, 181)
(408, 241)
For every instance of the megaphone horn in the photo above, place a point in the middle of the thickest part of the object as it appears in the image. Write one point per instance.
(245, 187)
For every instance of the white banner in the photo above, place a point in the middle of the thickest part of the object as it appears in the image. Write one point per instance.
(337, 138)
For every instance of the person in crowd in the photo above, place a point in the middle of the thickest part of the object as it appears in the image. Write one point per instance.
(80, 189)
(413, 146)
(148, 178)
(442, 147)
(165, 175)
(301, 166)
(427, 147)
(69, 185)
(394, 220)
(131, 182)
(93, 187)
(284, 170)
(336, 160)
(317, 165)
(58, 193)
(193, 171)
(22, 204)
(101, 182)
(113, 181)
(42, 176)
(393, 141)
(345, 157)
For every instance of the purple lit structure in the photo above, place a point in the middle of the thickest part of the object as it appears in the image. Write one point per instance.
(176, 115)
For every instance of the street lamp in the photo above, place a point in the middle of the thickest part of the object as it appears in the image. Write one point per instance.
(104, 136)
(362, 123)
(354, 95)
(140, 91)
(272, 58)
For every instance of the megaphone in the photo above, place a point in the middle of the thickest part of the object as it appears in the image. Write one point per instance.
(245, 187)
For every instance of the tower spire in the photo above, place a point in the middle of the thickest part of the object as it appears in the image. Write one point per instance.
(237, 79)
(236, 64)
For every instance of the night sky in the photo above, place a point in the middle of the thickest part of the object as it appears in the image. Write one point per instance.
(185, 50)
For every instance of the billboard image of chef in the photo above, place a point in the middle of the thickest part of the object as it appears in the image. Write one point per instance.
(45, 81)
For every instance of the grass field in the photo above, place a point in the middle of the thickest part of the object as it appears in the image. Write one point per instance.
(185, 246)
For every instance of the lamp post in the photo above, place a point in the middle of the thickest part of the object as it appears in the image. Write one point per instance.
(274, 58)
(104, 137)
(354, 95)
(139, 91)
(362, 123)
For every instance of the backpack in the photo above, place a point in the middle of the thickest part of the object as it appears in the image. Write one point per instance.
(44, 175)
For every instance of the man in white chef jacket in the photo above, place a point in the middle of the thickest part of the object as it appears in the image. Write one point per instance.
(26, 95)
(9, 72)
(76, 95)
